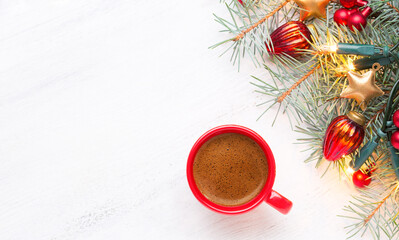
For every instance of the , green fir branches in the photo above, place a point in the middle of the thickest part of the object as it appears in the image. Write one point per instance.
(248, 29)
(308, 91)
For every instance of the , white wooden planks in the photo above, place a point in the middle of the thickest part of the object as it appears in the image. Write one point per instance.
(100, 103)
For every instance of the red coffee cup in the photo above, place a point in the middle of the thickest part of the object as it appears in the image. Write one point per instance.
(267, 194)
